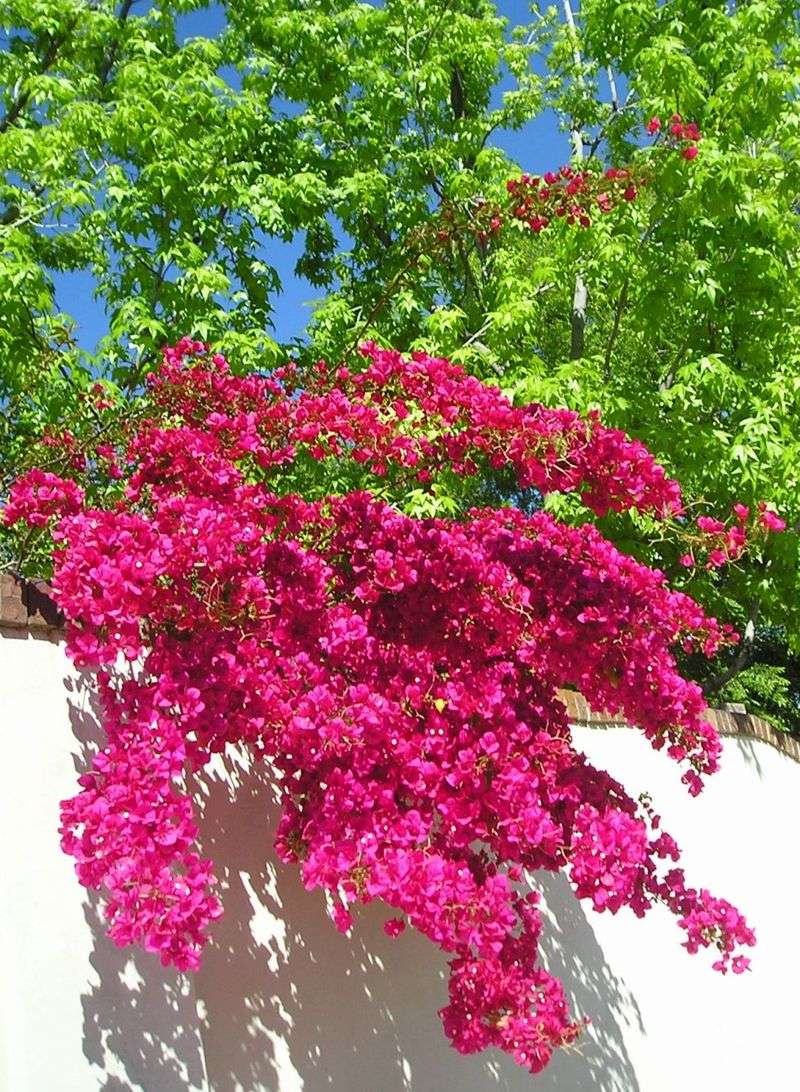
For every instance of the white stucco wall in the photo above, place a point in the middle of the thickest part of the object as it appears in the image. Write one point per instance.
(76, 1012)
(285, 1003)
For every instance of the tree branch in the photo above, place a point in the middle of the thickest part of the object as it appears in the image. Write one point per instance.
(743, 659)
(47, 62)
(621, 303)
(579, 294)
(111, 52)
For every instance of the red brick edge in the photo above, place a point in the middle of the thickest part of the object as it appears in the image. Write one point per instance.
(27, 605)
(727, 723)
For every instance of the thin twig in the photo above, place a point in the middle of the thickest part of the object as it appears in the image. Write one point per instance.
(621, 303)
(111, 53)
(46, 63)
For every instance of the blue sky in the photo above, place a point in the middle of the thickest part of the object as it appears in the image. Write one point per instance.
(537, 147)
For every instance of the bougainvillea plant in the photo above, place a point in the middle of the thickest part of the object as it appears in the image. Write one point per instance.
(397, 675)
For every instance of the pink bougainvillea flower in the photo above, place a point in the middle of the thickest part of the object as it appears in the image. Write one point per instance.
(400, 675)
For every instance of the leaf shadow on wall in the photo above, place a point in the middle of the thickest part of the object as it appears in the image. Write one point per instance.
(291, 1004)
(140, 1024)
(571, 952)
(750, 754)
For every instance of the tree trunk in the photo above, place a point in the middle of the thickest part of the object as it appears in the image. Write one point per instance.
(579, 293)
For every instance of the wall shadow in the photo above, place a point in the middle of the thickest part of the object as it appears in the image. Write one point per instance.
(289, 1003)
(140, 1023)
(748, 751)
(285, 1003)
(571, 952)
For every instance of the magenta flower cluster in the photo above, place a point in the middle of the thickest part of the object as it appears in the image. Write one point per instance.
(723, 543)
(576, 195)
(397, 675)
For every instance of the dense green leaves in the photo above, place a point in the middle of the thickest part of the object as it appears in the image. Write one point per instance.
(165, 168)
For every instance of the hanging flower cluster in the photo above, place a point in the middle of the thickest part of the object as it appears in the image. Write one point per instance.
(718, 543)
(576, 195)
(572, 194)
(398, 676)
(680, 134)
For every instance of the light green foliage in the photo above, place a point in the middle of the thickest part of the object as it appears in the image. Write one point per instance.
(166, 169)
(169, 172)
(694, 325)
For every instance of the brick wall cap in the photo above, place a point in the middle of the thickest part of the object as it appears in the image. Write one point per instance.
(731, 720)
(28, 605)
